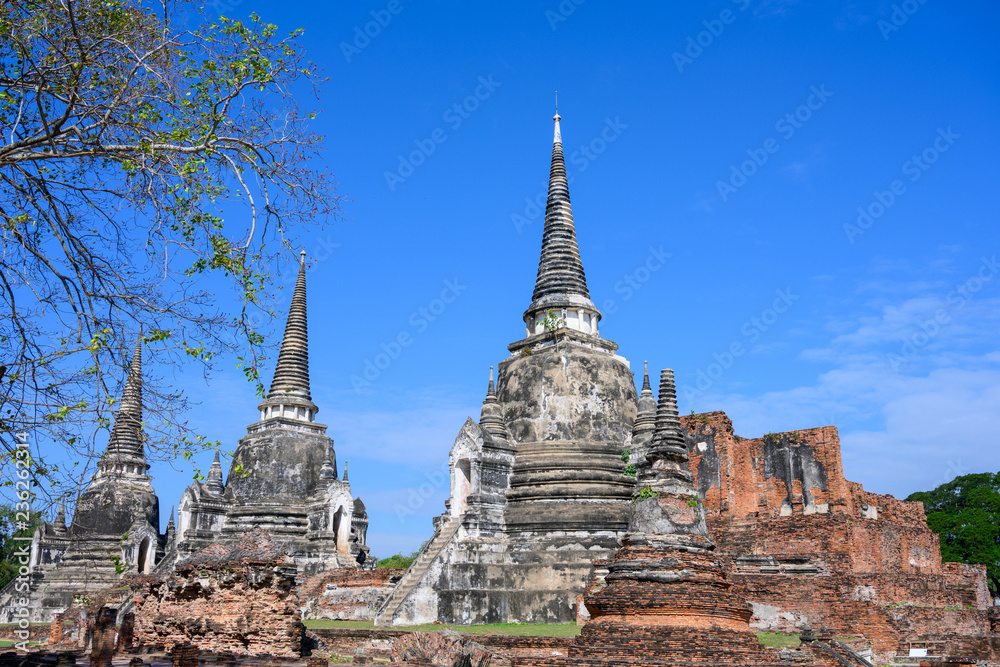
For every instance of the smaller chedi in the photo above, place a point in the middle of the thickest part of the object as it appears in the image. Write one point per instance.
(115, 528)
(667, 600)
(283, 478)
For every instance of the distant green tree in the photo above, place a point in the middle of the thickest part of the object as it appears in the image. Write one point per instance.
(965, 513)
(8, 545)
(399, 560)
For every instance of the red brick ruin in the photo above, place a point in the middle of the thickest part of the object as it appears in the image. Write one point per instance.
(806, 546)
(225, 599)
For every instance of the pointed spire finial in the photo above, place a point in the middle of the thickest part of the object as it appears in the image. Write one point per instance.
(171, 528)
(60, 522)
(645, 419)
(291, 374)
(125, 450)
(345, 472)
(560, 271)
(666, 467)
(560, 282)
(491, 416)
(214, 479)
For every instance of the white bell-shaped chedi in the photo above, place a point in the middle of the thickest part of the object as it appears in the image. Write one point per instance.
(538, 490)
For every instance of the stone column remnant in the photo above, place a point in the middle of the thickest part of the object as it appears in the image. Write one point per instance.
(103, 648)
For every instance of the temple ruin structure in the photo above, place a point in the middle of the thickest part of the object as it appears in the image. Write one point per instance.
(283, 478)
(115, 528)
(541, 490)
(808, 547)
(537, 491)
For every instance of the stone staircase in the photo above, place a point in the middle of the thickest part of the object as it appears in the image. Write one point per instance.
(417, 570)
(842, 654)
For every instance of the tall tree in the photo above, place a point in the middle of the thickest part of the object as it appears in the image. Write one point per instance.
(965, 513)
(132, 132)
(15, 536)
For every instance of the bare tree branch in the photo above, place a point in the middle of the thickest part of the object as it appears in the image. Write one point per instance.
(126, 143)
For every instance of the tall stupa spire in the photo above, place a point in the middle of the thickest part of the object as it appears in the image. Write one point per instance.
(125, 450)
(561, 285)
(289, 397)
(291, 376)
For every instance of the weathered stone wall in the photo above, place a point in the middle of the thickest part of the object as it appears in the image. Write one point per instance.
(377, 644)
(225, 599)
(345, 594)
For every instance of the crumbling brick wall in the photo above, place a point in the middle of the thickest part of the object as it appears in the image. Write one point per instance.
(225, 599)
(806, 545)
(346, 594)
(69, 628)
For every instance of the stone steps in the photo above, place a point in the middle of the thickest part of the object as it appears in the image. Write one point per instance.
(416, 571)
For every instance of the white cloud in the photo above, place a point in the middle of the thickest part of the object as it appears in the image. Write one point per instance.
(912, 380)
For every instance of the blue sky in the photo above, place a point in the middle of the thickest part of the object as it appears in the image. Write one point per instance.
(719, 154)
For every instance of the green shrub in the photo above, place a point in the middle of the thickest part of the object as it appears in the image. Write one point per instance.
(397, 561)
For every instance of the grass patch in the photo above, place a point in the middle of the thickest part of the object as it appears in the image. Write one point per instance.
(778, 640)
(513, 629)
(346, 625)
